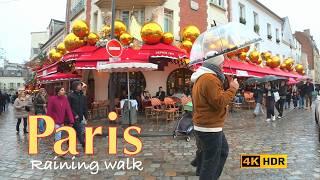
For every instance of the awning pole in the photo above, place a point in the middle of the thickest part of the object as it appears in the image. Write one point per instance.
(113, 16)
(128, 79)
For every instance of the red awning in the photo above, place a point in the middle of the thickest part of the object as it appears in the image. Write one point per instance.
(59, 77)
(252, 68)
(242, 73)
(47, 70)
(162, 50)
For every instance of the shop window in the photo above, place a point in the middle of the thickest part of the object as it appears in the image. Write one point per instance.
(179, 81)
(168, 20)
(120, 83)
(242, 15)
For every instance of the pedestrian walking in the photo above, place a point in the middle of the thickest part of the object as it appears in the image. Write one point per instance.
(309, 88)
(301, 92)
(258, 96)
(283, 96)
(59, 109)
(22, 106)
(270, 102)
(288, 99)
(1, 101)
(78, 103)
(40, 106)
(295, 98)
(210, 100)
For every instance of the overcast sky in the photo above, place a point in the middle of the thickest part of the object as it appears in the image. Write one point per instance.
(20, 17)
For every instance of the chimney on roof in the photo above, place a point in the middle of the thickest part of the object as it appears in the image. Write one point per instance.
(307, 31)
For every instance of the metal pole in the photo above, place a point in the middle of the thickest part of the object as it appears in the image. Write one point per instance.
(129, 106)
(113, 16)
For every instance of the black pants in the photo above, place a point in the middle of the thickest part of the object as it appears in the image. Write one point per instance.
(212, 154)
(270, 107)
(79, 127)
(309, 99)
(279, 106)
(24, 124)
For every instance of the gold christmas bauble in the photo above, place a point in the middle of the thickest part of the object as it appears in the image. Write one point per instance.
(267, 55)
(51, 53)
(283, 66)
(186, 45)
(259, 61)
(61, 48)
(92, 38)
(105, 31)
(190, 33)
(56, 56)
(299, 68)
(126, 38)
(289, 63)
(254, 56)
(72, 42)
(275, 62)
(243, 56)
(151, 33)
(268, 62)
(187, 61)
(119, 28)
(80, 28)
(167, 38)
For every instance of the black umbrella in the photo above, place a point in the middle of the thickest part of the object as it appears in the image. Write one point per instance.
(264, 79)
(252, 80)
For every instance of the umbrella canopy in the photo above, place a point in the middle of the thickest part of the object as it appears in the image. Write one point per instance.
(264, 79)
(221, 40)
(252, 80)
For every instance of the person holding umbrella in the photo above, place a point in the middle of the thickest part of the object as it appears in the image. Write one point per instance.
(270, 102)
(210, 99)
(283, 96)
(258, 96)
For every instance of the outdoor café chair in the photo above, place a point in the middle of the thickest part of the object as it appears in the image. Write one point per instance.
(171, 109)
(248, 97)
(157, 109)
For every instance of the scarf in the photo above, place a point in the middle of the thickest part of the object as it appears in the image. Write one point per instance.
(215, 69)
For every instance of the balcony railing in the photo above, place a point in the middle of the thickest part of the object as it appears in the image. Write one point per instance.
(77, 8)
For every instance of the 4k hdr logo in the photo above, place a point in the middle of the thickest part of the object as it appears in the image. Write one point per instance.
(278, 161)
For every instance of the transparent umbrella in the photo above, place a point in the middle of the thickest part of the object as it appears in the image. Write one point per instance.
(221, 40)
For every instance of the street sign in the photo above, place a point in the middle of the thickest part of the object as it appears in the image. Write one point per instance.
(114, 48)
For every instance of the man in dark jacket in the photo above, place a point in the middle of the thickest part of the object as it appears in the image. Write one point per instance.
(309, 88)
(283, 95)
(161, 94)
(258, 96)
(78, 103)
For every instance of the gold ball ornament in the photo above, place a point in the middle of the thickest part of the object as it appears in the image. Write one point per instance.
(105, 31)
(275, 62)
(51, 53)
(187, 61)
(92, 38)
(56, 57)
(119, 28)
(243, 56)
(72, 42)
(126, 38)
(269, 62)
(151, 33)
(259, 61)
(267, 55)
(190, 33)
(254, 56)
(167, 38)
(61, 48)
(289, 63)
(283, 66)
(80, 28)
(299, 68)
(186, 45)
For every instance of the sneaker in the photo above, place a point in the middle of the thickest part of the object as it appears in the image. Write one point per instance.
(268, 120)
(273, 118)
(279, 117)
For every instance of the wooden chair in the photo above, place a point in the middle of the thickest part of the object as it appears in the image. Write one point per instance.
(157, 109)
(249, 99)
(170, 108)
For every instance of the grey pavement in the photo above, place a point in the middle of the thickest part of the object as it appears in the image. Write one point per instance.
(166, 158)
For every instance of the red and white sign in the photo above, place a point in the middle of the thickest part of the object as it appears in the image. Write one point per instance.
(114, 48)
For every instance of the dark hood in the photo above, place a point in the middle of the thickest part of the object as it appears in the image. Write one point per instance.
(75, 84)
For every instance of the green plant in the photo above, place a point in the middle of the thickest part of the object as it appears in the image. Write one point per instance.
(242, 20)
(256, 28)
(269, 36)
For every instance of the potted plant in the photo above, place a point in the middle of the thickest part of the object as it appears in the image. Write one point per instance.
(256, 28)
(242, 20)
(269, 36)
(278, 40)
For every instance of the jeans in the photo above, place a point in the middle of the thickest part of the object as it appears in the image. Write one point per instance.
(279, 106)
(58, 135)
(301, 102)
(79, 127)
(41, 125)
(25, 119)
(258, 109)
(213, 154)
(270, 107)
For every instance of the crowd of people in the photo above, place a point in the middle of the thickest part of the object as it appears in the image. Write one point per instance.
(280, 97)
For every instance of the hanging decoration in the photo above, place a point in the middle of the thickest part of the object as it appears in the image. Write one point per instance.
(105, 31)
(92, 38)
(243, 56)
(151, 33)
(61, 48)
(72, 42)
(289, 64)
(51, 53)
(283, 66)
(167, 38)
(126, 38)
(135, 28)
(186, 45)
(275, 62)
(259, 61)
(254, 56)
(119, 28)
(268, 62)
(190, 33)
(266, 55)
(299, 68)
(80, 29)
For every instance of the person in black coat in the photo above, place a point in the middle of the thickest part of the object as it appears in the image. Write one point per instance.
(78, 103)
(270, 102)
(161, 94)
(283, 96)
(258, 96)
(309, 88)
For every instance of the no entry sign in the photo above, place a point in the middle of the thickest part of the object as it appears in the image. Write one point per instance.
(114, 48)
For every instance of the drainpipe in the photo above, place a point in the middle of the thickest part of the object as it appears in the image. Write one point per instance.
(229, 10)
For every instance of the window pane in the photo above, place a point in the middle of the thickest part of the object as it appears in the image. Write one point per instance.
(125, 17)
(168, 20)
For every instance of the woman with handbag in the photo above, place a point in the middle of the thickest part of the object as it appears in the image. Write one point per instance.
(59, 109)
(22, 106)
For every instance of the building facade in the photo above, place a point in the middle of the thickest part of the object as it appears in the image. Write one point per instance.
(275, 31)
(38, 39)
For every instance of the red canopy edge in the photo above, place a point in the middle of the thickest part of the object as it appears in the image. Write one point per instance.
(59, 77)
(47, 70)
(162, 50)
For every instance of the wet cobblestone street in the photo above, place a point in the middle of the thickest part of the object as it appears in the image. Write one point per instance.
(166, 158)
